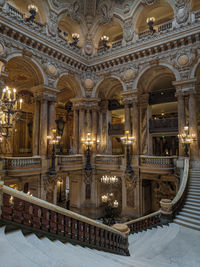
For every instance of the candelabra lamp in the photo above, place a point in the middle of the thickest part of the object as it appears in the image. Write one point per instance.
(128, 140)
(10, 109)
(33, 11)
(75, 37)
(53, 140)
(186, 139)
(150, 23)
(104, 40)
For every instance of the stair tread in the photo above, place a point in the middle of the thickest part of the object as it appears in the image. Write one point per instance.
(184, 213)
(190, 220)
(187, 224)
(191, 211)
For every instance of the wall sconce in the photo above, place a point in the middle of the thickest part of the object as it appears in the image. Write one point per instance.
(150, 22)
(33, 11)
(75, 37)
(104, 40)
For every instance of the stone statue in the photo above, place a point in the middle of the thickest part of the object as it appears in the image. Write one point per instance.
(128, 31)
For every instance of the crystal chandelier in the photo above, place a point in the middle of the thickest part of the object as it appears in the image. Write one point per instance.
(10, 109)
(109, 179)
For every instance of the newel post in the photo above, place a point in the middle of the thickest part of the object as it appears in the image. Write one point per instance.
(166, 210)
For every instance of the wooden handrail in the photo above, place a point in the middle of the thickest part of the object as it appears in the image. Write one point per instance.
(144, 222)
(36, 215)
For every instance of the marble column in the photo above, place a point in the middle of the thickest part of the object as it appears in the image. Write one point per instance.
(81, 129)
(194, 146)
(51, 116)
(89, 121)
(143, 124)
(94, 127)
(76, 132)
(127, 117)
(43, 127)
(36, 122)
(181, 120)
(135, 127)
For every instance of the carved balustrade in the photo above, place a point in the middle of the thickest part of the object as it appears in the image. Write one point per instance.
(40, 217)
(116, 129)
(161, 28)
(22, 162)
(154, 164)
(109, 161)
(145, 222)
(72, 162)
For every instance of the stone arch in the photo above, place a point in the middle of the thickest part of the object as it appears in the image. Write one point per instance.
(22, 6)
(148, 67)
(24, 72)
(69, 86)
(194, 5)
(194, 69)
(162, 14)
(113, 29)
(69, 26)
(113, 77)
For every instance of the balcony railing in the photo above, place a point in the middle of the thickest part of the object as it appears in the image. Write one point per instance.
(160, 28)
(22, 162)
(163, 125)
(111, 161)
(72, 161)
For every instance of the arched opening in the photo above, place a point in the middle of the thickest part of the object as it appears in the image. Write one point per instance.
(195, 5)
(109, 92)
(162, 114)
(113, 31)
(23, 75)
(163, 16)
(69, 88)
(67, 27)
(22, 6)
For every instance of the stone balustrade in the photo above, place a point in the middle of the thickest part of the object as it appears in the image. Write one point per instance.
(22, 162)
(155, 164)
(109, 161)
(41, 217)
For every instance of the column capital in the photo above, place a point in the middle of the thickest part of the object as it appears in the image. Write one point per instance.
(45, 92)
(185, 86)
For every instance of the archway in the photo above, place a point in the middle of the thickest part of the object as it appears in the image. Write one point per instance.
(69, 89)
(161, 116)
(109, 91)
(23, 74)
(162, 14)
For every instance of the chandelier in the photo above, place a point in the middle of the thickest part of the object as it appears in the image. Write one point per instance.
(109, 179)
(186, 139)
(10, 109)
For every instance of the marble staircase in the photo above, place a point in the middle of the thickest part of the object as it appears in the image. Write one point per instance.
(189, 216)
(159, 247)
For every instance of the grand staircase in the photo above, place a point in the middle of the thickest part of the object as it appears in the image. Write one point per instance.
(156, 247)
(189, 216)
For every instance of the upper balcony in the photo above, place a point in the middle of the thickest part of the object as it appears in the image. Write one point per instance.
(37, 35)
(163, 125)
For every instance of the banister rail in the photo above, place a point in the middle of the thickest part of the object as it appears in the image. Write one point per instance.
(144, 222)
(171, 208)
(38, 216)
(168, 208)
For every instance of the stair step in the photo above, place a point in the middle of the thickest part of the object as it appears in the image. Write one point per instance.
(193, 200)
(190, 220)
(189, 215)
(194, 194)
(192, 207)
(187, 224)
(195, 212)
(192, 204)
